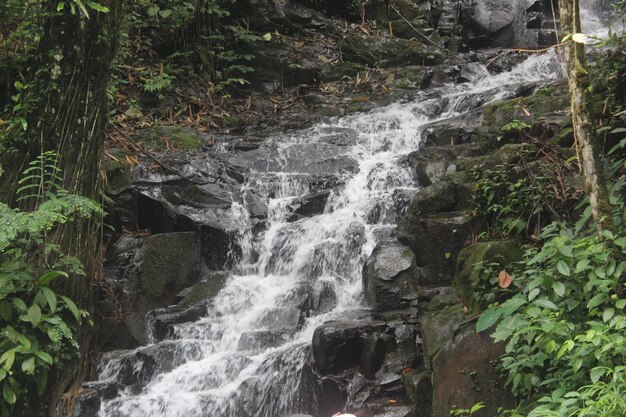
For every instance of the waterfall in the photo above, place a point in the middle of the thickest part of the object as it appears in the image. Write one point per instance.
(250, 356)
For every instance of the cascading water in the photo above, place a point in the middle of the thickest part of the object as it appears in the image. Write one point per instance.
(223, 365)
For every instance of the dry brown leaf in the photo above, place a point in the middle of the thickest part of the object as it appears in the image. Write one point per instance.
(504, 279)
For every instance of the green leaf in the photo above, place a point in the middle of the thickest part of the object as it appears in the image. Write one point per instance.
(82, 8)
(72, 307)
(3, 374)
(44, 356)
(596, 300)
(567, 346)
(51, 298)
(50, 276)
(60, 6)
(8, 394)
(34, 314)
(582, 264)
(7, 359)
(98, 7)
(487, 319)
(597, 373)
(476, 407)
(608, 314)
(559, 288)
(267, 37)
(563, 268)
(28, 366)
(165, 13)
(542, 302)
(620, 304)
(19, 304)
(533, 294)
(566, 251)
(23, 340)
(550, 346)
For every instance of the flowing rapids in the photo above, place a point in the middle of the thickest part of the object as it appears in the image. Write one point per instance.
(220, 368)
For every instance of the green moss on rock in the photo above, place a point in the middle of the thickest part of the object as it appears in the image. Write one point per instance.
(469, 279)
(168, 263)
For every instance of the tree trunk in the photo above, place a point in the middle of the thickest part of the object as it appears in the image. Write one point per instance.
(588, 149)
(72, 75)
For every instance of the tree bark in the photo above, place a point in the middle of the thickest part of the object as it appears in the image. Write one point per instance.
(588, 149)
(73, 72)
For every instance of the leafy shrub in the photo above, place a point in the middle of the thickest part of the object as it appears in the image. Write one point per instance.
(565, 328)
(37, 323)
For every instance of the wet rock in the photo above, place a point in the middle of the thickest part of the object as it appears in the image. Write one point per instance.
(412, 77)
(419, 389)
(338, 345)
(386, 52)
(373, 355)
(309, 205)
(262, 339)
(432, 163)
(339, 70)
(390, 276)
(278, 65)
(464, 373)
(133, 369)
(323, 297)
(167, 263)
(454, 131)
(162, 321)
(306, 158)
(87, 404)
(473, 72)
(280, 318)
(438, 328)
(436, 198)
(436, 240)
(106, 390)
(130, 370)
(286, 15)
(203, 290)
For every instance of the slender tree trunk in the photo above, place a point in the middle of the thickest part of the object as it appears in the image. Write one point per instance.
(587, 146)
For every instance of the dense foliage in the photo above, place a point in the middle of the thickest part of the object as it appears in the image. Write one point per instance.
(563, 318)
(37, 324)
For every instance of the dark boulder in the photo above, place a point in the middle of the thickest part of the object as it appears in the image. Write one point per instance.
(436, 240)
(87, 403)
(390, 276)
(388, 52)
(338, 346)
(464, 373)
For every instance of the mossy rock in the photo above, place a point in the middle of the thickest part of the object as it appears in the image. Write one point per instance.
(204, 290)
(438, 329)
(167, 263)
(468, 279)
(341, 70)
(160, 138)
(507, 154)
(117, 173)
(412, 77)
(526, 109)
(419, 389)
(388, 52)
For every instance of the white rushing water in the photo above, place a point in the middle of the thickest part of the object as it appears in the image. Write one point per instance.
(222, 368)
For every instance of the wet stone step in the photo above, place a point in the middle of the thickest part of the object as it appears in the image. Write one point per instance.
(262, 339)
